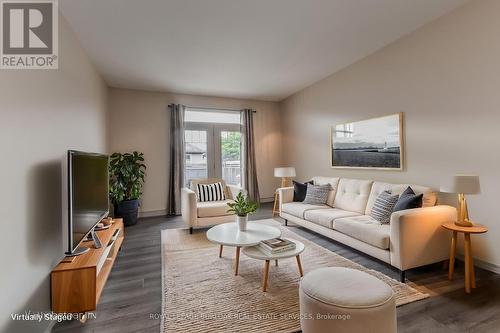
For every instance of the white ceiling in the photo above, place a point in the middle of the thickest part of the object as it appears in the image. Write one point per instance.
(259, 49)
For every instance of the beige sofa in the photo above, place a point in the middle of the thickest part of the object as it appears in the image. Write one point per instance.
(413, 238)
(203, 214)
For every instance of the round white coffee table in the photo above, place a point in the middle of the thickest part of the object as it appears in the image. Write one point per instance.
(228, 234)
(256, 253)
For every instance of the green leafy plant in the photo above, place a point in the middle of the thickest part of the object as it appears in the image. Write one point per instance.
(126, 176)
(242, 206)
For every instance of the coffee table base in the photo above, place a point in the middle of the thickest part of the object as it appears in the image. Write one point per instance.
(236, 259)
(265, 274)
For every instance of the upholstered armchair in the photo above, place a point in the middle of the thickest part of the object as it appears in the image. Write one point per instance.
(202, 214)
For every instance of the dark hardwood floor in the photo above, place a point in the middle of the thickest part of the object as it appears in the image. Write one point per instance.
(131, 299)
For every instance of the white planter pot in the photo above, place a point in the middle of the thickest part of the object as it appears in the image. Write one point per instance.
(242, 222)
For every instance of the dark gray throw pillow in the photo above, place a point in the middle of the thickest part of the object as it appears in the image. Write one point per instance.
(383, 207)
(317, 194)
(408, 200)
(300, 190)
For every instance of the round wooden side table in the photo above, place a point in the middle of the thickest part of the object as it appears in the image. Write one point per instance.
(470, 277)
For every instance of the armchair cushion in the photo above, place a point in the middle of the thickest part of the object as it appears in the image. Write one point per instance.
(213, 208)
(195, 182)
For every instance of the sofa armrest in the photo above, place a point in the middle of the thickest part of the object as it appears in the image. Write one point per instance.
(417, 237)
(285, 195)
(188, 207)
(233, 191)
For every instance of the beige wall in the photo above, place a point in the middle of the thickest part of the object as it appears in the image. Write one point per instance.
(445, 77)
(43, 113)
(139, 120)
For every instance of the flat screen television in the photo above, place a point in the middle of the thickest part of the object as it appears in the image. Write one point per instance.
(88, 181)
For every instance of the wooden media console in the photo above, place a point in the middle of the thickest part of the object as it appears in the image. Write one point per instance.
(77, 282)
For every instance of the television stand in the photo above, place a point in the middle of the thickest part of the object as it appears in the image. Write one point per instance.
(78, 251)
(92, 236)
(77, 282)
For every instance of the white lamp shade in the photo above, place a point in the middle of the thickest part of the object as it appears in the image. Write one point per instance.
(463, 184)
(284, 172)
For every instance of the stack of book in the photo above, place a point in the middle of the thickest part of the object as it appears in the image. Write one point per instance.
(276, 245)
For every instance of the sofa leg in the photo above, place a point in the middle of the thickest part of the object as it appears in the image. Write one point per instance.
(402, 276)
(286, 222)
(190, 230)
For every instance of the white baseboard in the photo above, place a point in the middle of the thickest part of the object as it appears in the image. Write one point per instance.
(483, 264)
(163, 212)
(153, 213)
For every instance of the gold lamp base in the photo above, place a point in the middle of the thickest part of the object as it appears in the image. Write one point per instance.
(463, 213)
(464, 223)
(286, 182)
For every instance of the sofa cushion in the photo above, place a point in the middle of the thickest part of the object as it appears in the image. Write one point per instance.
(383, 207)
(298, 208)
(377, 189)
(213, 208)
(352, 194)
(366, 229)
(333, 181)
(430, 196)
(408, 200)
(300, 190)
(429, 199)
(325, 217)
(317, 194)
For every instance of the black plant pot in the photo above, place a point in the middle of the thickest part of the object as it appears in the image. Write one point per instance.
(128, 210)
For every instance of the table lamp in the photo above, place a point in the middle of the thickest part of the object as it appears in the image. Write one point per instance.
(285, 173)
(463, 184)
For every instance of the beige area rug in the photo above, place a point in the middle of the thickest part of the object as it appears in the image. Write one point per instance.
(202, 294)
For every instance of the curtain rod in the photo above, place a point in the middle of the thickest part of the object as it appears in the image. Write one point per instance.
(209, 108)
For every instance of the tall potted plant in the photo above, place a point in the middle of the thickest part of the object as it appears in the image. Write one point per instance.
(242, 206)
(126, 178)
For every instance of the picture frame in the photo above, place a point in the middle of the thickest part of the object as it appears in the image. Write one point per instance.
(374, 143)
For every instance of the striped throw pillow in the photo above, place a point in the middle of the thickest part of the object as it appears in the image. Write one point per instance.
(383, 206)
(211, 192)
(317, 194)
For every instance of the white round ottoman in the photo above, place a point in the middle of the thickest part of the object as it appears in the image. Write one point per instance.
(336, 299)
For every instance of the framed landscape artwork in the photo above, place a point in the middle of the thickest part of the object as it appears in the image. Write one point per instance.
(374, 143)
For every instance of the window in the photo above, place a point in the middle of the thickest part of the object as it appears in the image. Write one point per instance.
(213, 145)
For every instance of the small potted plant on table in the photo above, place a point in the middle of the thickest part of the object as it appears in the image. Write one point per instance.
(242, 206)
(126, 178)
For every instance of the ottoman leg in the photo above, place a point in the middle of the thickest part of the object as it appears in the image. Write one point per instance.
(265, 276)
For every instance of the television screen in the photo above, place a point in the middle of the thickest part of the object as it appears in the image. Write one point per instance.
(88, 193)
